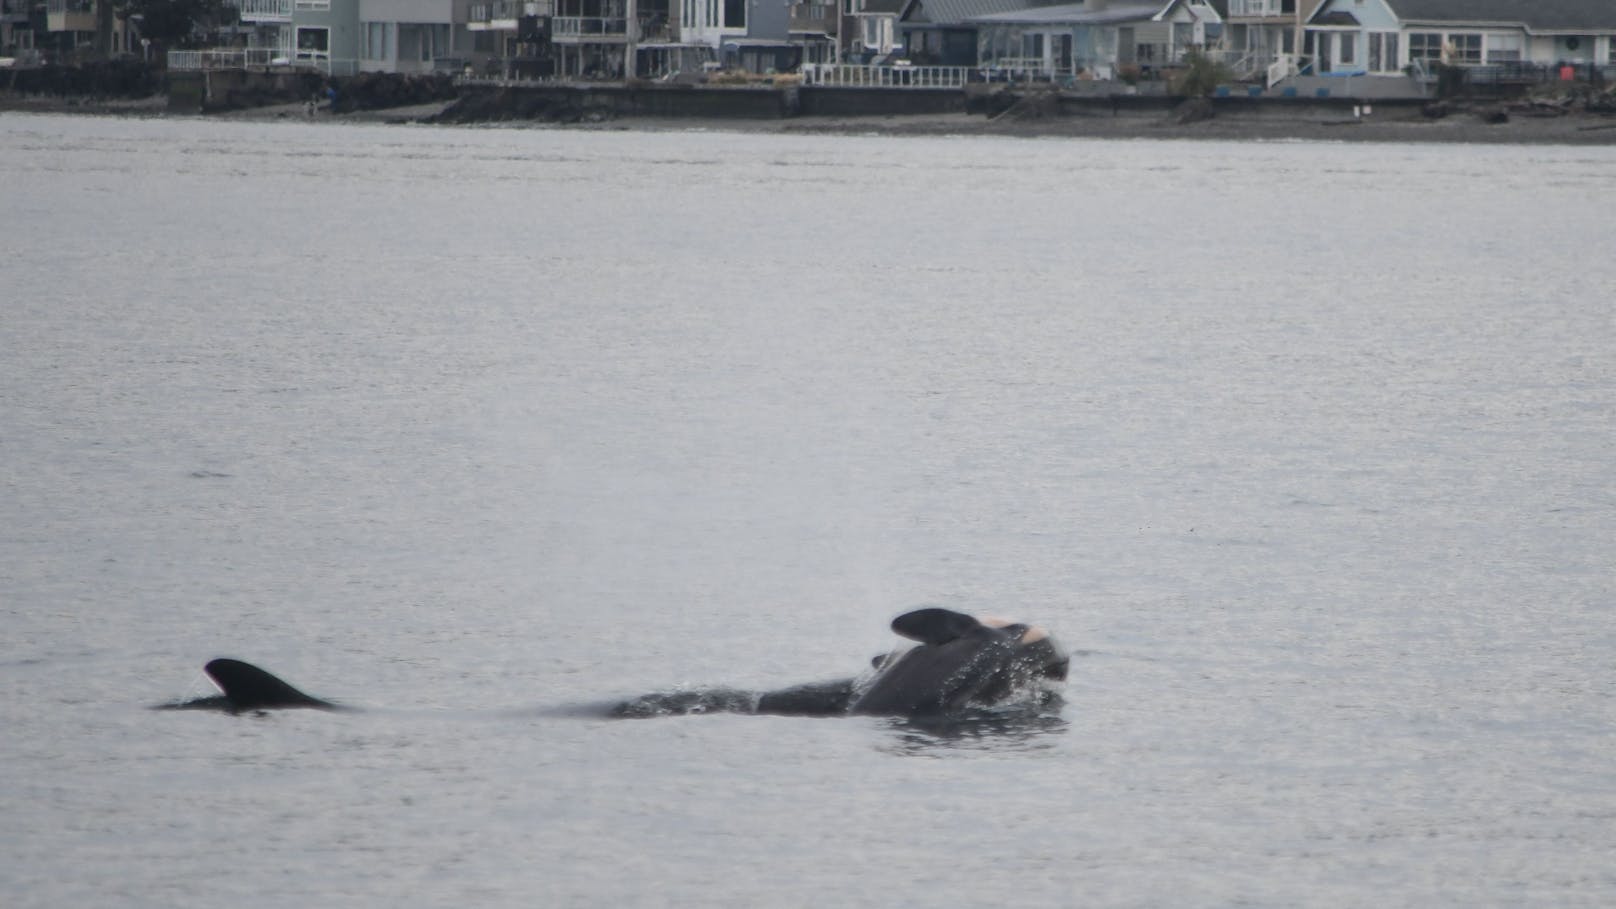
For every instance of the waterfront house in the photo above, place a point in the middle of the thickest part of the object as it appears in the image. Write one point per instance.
(1382, 37)
(1095, 39)
(1258, 32)
(319, 34)
(413, 36)
(66, 29)
(16, 29)
(872, 29)
(944, 32)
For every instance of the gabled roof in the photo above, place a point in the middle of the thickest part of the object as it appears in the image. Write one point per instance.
(1075, 14)
(1207, 11)
(958, 12)
(1533, 15)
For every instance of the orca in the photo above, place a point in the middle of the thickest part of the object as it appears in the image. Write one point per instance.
(245, 687)
(961, 663)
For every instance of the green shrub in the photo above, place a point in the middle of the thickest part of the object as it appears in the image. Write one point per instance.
(1200, 76)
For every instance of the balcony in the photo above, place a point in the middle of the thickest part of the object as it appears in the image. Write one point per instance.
(589, 29)
(813, 17)
(503, 14)
(70, 16)
(1261, 9)
(264, 10)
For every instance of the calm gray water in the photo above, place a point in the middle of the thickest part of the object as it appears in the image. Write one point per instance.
(1310, 450)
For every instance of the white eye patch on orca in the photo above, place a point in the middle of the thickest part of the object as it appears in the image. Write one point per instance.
(1032, 635)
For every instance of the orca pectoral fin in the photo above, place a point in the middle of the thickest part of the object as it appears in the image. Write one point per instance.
(246, 687)
(934, 625)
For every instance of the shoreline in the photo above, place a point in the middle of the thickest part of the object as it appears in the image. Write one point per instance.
(1465, 127)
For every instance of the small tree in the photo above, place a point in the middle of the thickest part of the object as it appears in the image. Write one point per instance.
(1201, 76)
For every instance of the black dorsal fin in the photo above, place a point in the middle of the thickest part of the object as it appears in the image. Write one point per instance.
(934, 625)
(247, 687)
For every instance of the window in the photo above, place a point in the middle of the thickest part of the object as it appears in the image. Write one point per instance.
(1183, 36)
(1464, 49)
(1346, 47)
(1504, 48)
(1032, 46)
(735, 13)
(376, 41)
(434, 41)
(313, 42)
(1383, 52)
(1425, 46)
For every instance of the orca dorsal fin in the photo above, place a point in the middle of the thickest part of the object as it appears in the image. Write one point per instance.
(247, 687)
(934, 625)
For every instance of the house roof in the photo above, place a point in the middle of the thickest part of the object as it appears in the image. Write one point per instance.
(1336, 17)
(958, 12)
(889, 7)
(1216, 15)
(1535, 15)
(1074, 14)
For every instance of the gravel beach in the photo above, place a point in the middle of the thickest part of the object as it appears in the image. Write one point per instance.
(1403, 126)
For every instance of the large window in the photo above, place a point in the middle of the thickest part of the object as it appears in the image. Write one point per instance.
(1464, 48)
(1425, 46)
(735, 13)
(1383, 52)
(434, 41)
(375, 34)
(313, 42)
(1504, 48)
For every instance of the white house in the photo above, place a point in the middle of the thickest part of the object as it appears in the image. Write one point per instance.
(1381, 37)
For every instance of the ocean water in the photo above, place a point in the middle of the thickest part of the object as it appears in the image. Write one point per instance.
(1307, 451)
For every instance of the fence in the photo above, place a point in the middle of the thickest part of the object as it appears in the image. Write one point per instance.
(847, 75)
(258, 58)
(264, 10)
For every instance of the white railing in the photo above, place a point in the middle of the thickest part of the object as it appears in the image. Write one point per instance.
(229, 58)
(1021, 67)
(508, 9)
(265, 10)
(1284, 67)
(847, 75)
(1257, 8)
(589, 26)
(1244, 64)
(249, 57)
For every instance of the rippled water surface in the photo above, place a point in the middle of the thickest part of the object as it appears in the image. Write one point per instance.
(1309, 451)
